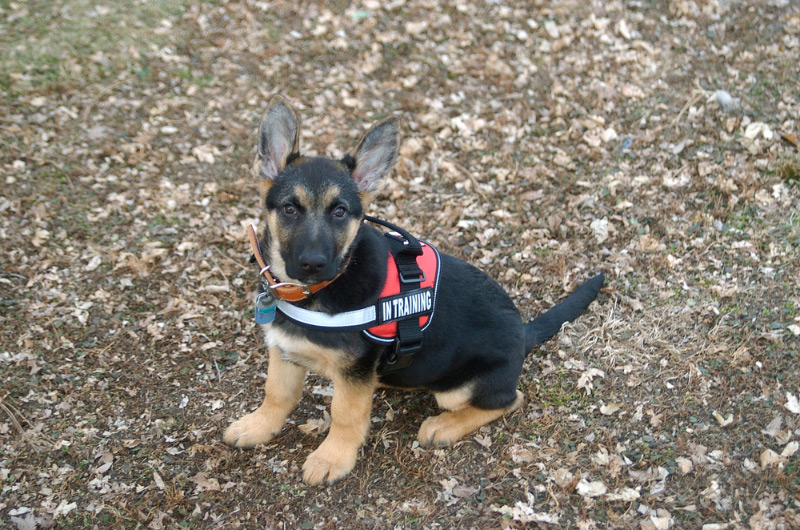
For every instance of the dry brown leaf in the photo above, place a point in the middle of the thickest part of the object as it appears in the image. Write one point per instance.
(521, 454)
(723, 421)
(158, 481)
(791, 138)
(317, 425)
(770, 458)
(792, 404)
(610, 409)
(590, 489)
(483, 440)
(205, 483)
(685, 465)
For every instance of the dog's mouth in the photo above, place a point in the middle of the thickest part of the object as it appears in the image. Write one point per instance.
(327, 274)
(307, 275)
(312, 272)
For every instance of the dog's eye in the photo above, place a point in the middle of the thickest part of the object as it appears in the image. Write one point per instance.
(289, 209)
(339, 211)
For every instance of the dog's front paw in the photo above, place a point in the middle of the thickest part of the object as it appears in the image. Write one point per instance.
(251, 430)
(329, 463)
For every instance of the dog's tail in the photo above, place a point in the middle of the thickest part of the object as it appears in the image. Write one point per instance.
(549, 323)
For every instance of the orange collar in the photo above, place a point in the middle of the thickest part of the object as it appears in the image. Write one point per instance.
(291, 292)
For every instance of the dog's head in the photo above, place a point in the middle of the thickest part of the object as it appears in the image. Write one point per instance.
(314, 205)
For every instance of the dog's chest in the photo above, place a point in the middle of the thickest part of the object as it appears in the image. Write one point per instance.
(299, 350)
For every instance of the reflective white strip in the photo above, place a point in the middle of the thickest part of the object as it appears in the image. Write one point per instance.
(358, 317)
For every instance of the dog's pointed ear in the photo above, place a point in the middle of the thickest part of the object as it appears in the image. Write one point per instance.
(373, 156)
(278, 139)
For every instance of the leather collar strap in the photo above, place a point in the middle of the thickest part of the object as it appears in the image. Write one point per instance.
(291, 292)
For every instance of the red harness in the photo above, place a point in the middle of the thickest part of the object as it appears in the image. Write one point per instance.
(428, 262)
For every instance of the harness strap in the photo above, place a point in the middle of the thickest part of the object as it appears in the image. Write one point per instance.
(356, 319)
(408, 341)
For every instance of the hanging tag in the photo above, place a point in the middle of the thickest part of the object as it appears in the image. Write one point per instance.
(265, 308)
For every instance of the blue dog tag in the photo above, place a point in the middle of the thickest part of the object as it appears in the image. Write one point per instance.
(265, 308)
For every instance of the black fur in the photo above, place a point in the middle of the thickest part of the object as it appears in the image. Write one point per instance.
(545, 326)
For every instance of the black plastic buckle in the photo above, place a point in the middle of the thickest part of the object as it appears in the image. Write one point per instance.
(406, 277)
(402, 355)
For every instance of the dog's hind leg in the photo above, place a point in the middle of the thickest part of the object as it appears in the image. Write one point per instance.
(283, 389)
(460, 418)
(350, 410)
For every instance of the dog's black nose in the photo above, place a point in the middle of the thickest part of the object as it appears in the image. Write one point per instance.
(312, 262)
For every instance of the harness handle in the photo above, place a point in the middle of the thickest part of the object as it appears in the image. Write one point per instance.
(413, 246)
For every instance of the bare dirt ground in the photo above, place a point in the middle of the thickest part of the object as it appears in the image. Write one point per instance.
(654, 141)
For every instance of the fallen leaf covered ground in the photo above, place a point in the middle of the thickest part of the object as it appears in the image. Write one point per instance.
(544, 141)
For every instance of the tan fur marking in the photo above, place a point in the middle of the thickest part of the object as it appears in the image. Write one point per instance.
(274, 260)
(263, 188)
(349, 235)
(343, 238)
(350, 411)
(448, 427)
(327, 362)
(303, 196)
(330, 195)
(455, 399)
(282, 391)
(366, 198)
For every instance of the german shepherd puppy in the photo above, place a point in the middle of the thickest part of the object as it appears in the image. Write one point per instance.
(473, 347)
